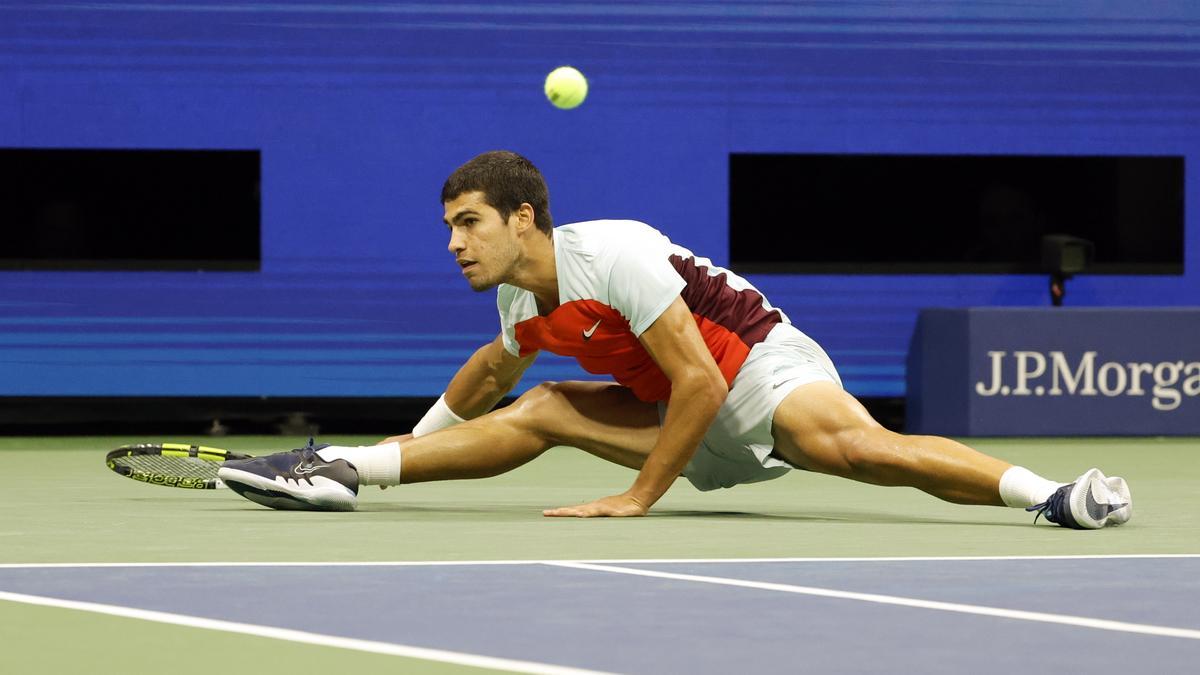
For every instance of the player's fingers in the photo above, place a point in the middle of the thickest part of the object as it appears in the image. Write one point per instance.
(566, 512)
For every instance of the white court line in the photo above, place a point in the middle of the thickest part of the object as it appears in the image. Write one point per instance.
(1064, 619)
(615, 561)
(457, 658)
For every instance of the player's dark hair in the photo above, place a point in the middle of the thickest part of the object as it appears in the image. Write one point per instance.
(506, 180)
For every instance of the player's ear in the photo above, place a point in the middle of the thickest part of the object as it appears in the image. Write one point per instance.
(524, 216)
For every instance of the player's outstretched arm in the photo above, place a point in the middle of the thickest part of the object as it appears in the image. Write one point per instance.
(697, 391)
(488, 376)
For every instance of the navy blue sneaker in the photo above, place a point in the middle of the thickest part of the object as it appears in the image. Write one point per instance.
(1090, 503)
(299, 480)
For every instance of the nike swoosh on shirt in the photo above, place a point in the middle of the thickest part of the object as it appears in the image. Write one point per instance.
(587, 334)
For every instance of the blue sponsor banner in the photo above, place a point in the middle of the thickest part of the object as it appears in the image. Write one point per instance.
(1055, 372)
(362, 109)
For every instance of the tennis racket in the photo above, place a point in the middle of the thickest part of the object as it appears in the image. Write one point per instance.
(192, 467)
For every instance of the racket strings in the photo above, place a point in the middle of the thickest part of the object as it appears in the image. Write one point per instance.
(183, 467)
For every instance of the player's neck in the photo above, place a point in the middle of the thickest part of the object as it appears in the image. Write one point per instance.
(538, 273)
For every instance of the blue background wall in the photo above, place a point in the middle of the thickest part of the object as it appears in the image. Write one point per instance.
(362, 109)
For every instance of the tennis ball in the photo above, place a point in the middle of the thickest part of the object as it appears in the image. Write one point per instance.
(566, 87)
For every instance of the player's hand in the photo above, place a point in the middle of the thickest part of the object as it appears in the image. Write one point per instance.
(622, 505)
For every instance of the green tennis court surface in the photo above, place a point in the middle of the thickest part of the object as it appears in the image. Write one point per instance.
(61, 505)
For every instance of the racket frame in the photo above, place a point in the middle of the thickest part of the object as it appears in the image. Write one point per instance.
(180, 450)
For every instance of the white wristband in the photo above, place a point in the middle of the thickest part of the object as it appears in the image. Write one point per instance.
(437, 417)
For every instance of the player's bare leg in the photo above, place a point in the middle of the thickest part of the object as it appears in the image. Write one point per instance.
(820, 427)
(603, 419)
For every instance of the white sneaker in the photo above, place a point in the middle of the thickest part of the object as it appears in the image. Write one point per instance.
(1090, 503)
(296, 480)
(1120, 488)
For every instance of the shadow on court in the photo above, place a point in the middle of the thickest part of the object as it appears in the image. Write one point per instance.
(526, 512)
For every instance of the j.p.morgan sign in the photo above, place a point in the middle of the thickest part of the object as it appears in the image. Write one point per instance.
(1056, 372)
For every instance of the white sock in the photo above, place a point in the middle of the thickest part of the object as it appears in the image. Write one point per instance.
(376, 464)
(1022, 488)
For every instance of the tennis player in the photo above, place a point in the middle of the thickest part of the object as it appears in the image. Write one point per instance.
(712, 382)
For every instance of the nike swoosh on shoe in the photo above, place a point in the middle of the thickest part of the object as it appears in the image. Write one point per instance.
(1097, 510)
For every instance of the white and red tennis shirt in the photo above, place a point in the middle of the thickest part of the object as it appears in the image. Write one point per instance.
(615, 278)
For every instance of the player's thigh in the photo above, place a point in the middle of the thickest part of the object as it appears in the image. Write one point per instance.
(820, 427)
(602, 418)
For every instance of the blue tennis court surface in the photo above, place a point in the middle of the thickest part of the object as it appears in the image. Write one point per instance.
(947, 615)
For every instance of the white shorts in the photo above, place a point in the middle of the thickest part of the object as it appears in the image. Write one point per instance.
(737, 447)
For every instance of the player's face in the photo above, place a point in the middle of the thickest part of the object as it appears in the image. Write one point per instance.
(483, 244)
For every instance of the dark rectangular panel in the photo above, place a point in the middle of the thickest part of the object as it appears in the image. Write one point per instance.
(952, 213)
(68, 209)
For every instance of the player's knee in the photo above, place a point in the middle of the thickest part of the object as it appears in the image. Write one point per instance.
(869, 454)
(842, 453)
(540, 396)
(541, 405)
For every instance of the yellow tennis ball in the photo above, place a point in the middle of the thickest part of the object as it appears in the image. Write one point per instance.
(566, 87)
